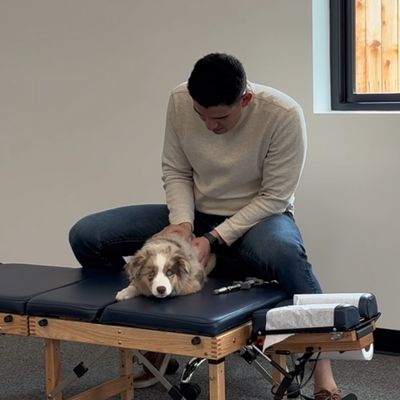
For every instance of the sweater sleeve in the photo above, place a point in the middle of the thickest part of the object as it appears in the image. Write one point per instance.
(282, 169)
(177, 173)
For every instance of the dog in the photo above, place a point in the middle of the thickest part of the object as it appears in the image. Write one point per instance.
(166, 265)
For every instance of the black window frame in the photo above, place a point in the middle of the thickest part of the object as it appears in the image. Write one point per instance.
(342, 64)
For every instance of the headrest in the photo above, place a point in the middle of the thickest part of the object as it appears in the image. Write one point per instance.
(365, 302)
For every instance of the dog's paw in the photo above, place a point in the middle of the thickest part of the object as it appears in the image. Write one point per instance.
(126, 294)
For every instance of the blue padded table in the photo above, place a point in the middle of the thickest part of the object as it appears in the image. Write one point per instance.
(202, 313)
(92, 300)
(21, 282)
(199, 325)
(84, 300)
(66, 304)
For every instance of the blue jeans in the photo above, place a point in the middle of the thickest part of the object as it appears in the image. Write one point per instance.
(272, 249)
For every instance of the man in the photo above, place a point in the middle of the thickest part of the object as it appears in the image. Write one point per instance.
(232, 159)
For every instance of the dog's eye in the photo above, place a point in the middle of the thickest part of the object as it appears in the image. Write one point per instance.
(170, 272)
(151, 275)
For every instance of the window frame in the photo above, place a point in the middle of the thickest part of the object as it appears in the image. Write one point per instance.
(342, 63)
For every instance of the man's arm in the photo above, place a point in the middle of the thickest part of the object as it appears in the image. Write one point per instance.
(177, 174)
(282, 169)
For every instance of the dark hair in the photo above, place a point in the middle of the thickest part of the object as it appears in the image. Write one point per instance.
(217, 79)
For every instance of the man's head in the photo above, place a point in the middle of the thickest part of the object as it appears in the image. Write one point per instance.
(217, 86)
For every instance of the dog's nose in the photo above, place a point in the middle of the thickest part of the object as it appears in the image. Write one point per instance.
(161, 289)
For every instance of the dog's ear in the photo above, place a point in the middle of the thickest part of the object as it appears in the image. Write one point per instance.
(181, 265)
(135, 265)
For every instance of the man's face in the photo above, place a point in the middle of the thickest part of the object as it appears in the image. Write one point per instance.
(220, 119)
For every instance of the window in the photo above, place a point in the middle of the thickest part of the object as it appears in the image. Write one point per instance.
(365, 63)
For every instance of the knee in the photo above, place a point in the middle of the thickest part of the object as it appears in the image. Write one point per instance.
(82, 234)
(275, 255)
(283, 251)
(292, 269)
(288, 260)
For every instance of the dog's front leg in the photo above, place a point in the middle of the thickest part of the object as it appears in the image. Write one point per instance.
(127, 293)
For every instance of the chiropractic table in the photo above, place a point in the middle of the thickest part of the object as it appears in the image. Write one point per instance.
(59, 304)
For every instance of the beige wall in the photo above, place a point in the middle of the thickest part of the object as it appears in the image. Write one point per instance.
(83, 90)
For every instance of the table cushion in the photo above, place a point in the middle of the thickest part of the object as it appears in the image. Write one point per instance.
(84, 300)
(365, 302)
(200, 313)
(89, 295)
(20, 282)
(305, 318)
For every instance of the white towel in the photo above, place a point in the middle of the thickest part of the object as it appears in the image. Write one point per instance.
(297, 317)
(328, 298)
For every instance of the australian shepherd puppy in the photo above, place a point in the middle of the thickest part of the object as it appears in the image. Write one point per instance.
(166, 265)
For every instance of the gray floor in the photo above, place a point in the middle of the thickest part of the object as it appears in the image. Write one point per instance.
(22, 377)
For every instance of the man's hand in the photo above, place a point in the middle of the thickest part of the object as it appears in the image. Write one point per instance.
(203, 249)
(203, 246)
(184, 229)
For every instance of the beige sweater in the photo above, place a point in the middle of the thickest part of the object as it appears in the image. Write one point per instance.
(249, 173)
